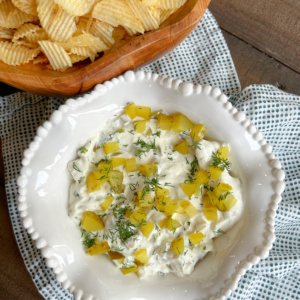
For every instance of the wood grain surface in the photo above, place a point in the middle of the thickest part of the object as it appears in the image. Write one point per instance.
(263, 37)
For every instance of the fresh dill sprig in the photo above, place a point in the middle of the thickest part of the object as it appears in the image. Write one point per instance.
(126, 230)
(75, 167)
(194, 169)
(142, 147)
(89, 239)
(220, 162)
(127, 265)
(80, 179)
(220, 231)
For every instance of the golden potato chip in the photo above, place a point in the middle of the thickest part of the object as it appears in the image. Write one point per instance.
(76, 58)
(25, 30)
(84, 40)
(58, 24)
(39, 35)
(165, 14)
(170, 4)
(57, 55)
(12, 17)
(130, 31)
(102, 30)
(116, 12)
(144, 15)
(77, 7)
(6, 33)
(27, 6)
(87, 52)
(150, 3)
(16, 55)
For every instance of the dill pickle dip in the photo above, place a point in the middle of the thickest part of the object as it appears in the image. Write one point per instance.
(152, 193)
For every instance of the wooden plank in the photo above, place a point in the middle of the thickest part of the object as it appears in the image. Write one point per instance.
(271, 26)
(15, 281)
(255, 67)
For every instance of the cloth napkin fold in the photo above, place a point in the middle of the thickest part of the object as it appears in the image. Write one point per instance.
(202, 58)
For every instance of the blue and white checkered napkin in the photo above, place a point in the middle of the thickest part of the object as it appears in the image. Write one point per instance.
(202, 58)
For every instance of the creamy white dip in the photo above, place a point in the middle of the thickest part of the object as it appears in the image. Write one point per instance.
(172, 170)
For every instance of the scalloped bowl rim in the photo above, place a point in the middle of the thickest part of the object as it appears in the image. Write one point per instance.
(32, 189)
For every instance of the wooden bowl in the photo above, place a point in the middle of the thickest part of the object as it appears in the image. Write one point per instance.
(140, 50)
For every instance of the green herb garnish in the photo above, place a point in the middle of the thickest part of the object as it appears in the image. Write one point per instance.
(142, 147)
(220, 162)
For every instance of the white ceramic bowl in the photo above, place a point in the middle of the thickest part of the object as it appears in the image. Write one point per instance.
(44, 186)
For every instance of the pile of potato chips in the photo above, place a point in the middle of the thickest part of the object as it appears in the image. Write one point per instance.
(60, 33)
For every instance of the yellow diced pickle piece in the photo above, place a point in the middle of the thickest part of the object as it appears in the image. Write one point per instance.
(140, 126)
(222, 188)
(92, 183)
(143, 112)
(126, 271)
(115, 180)
(91, 221)
(178, 245)
(104, 167)
(182, 148)
(212, 197)
(196, 238)
(106, 204)
(130, 110)
(202, 177)
(138, 217)
(223, 152)
(198, 131)
(227, 203)
(160, 192)
(165, 122)
(209, 210)
(181, 123)
(197, 190)
(215, 172)
(98, 248)
(191, 211)
(117, 161)
(183, 204)
(111, 147)
(172, 224)
(114, 255)
(141, 256)
(147, 169)
(145, 199)
(166, 205)
(131, 165)
(147, 229)
(163, 222)
(188, 188)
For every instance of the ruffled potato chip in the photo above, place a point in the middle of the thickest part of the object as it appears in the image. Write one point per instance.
(143, 13)
(6, 33)
(27, 6)
(165, 14)
(102, 30)
(170, 4)
(58, 24)
(77, 7)
(16, 55)
(115, 13)
(39, 35)
(57, 55)
(24, 30)
(12, 17)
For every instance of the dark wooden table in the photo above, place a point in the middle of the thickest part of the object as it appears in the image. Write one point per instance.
(264, 40)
